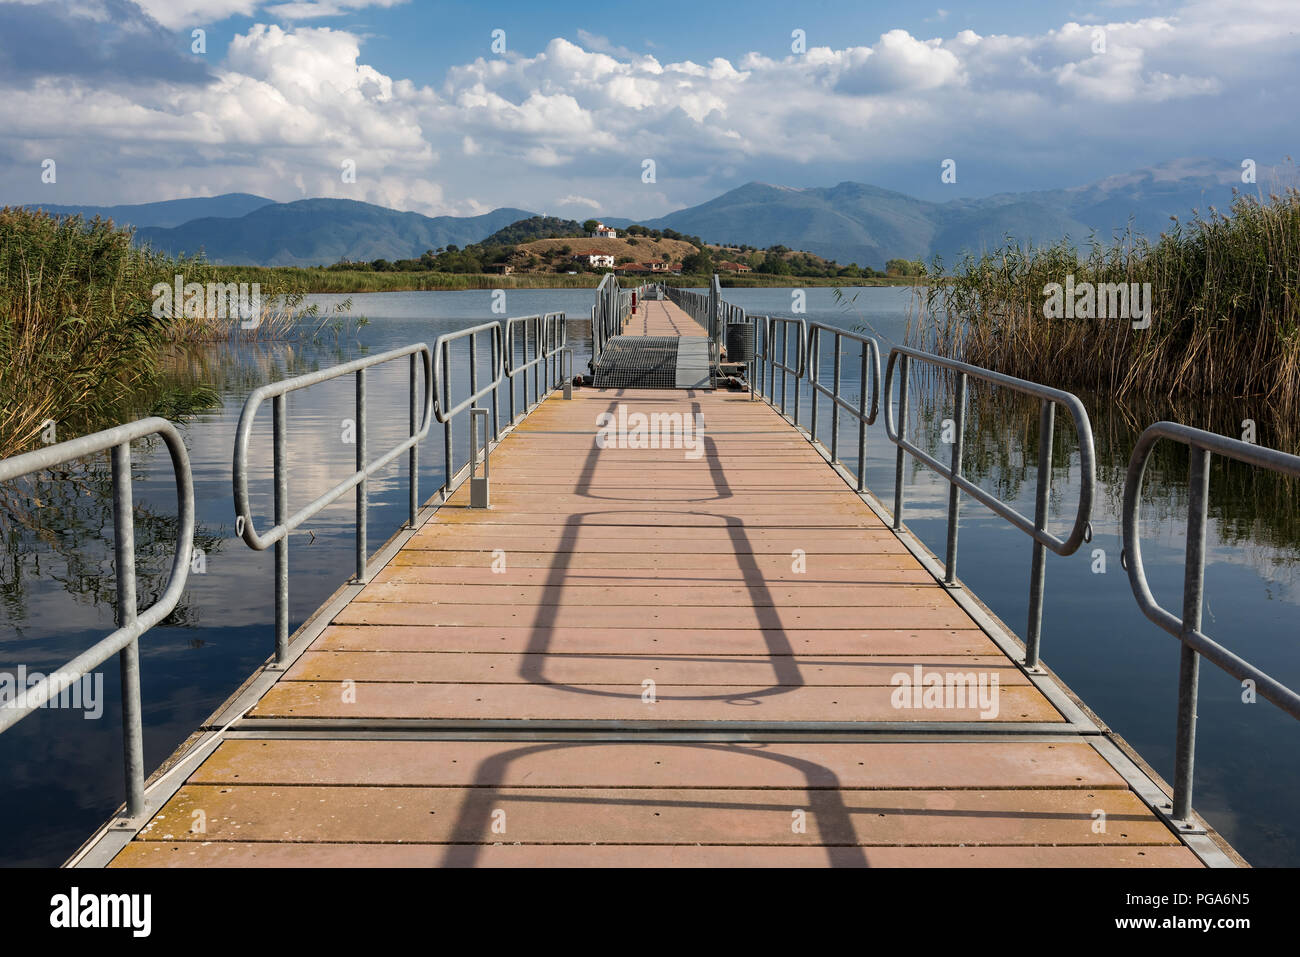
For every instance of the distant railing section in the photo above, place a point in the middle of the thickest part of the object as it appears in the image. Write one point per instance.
(490, 357)
(1187, 629)
(613, 306)
(789, 356)
(536, 343)
(900, 358)
(868, 371)
(132, 623)
(697, 305)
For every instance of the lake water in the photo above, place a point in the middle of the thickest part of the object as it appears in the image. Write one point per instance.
(56, 585)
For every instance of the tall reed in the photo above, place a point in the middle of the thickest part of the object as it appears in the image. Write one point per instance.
(1224, 320)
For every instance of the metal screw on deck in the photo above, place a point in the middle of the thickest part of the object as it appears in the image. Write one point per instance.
(478, 487)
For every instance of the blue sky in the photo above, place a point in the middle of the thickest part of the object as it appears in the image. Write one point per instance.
(288, 93)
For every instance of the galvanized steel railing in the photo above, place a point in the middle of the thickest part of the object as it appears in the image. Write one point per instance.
(1036, 528)
(772, 354)
(778, 329)
(864, 413)
(613, 305)
(549, 337)
(278, 534)
(1187, 629)
(132, 623)
(698, 305)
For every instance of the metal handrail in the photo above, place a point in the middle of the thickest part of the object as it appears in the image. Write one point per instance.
(1187, 629)
(125, 640)
(442, 369)
(1036, 527)
(695, 304)
(774, 363)
(549, 336)
(607, 315)
(278, 534)
(864, 414)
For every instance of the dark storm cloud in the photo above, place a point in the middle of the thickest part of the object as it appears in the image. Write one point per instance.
(120, 43)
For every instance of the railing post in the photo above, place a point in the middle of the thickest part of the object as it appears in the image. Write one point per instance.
(496, 406)
(835, 401)
(478, 487)
(1038, 563)
(473, 370)
(568, 379)
(785, 361)
(537, 373)
(280, 465)
(510, 361)
(412, 458)
(903, 363)
(1190, 662)
(361, 486)
(129, 656)
(862, 422)
(954, 493)
(814, 355)
(770, 357)
(799, 347)
(448, 447)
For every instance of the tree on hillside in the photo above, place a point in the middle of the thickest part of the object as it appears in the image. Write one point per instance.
(698, 262)
(904, 267)
(590, 225)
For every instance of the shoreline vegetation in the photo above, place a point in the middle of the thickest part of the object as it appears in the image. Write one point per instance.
(82, 344)
(327, 281)
(1221, 291)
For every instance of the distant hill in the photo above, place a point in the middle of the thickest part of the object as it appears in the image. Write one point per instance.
(854, 222)
(849, 222)
(533, 228)
(634, 248)
(313, 232)
(171, 212)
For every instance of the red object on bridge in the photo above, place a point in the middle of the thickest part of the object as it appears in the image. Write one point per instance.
(634, 302)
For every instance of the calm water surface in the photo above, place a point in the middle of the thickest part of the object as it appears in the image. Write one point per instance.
(57, 590)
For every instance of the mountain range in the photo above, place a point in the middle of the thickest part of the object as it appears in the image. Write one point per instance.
(850, 222)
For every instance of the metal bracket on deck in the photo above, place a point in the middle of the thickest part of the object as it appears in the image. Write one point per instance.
(478, 487)
(1179, 825)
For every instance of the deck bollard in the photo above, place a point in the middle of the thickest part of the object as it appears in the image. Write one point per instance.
(567, 364)
(478, 487)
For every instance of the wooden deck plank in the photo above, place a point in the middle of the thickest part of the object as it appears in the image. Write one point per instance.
(759, 700)
(892, 765)
(666, 641)
(747, 583)
(363, 813)
(476, 667)
(240, 854)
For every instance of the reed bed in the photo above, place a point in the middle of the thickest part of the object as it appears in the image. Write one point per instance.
(1224, 310)
(81, 342)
